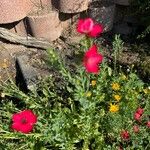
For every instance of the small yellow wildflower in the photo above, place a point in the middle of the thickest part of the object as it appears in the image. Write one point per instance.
(4, 65)
(88, 94)
(93, 82)
(146, 91)
(114, 108)
(117, 97)
(115, 86)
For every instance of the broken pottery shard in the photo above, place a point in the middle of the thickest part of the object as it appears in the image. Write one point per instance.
(26, 74)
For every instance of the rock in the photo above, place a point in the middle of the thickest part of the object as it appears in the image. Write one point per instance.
(103, 12)
(26, 75)
(15, 10)
(131, 19)
(123, 29)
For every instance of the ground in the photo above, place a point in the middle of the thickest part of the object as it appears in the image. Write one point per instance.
(8, 54)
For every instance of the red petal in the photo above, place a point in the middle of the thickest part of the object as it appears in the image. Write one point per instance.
(137, 116)
(92, 51)
(96, 31)
(24, 128)
(91, 63)
(16, 117)
(85, 26)
(140, 111)
(92, 68)
(29, 116)
(79, 25)
(16, 126)
(91, 60)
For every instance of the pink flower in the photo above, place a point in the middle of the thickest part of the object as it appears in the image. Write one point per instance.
(137, 116)
(135, 129)
(24, 121)
(148, 124)
(88, 27)
(140, 111)
(92, 59)
(125, 135)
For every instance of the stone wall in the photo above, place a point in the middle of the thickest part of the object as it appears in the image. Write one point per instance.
(49, 19)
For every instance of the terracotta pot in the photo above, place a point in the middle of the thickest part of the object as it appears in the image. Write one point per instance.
(14, 10)
(122, 2)
(40, 4)
(16, 27)
(103, 12)
(71, 6)
(45, 25)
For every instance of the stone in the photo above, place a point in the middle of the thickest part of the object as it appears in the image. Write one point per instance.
(14, 10)
(123, 29)
(103, 12)
(17, 27)
(26, 75)
(122, 2)
(45, 25)
(131, 19)
(71, 6)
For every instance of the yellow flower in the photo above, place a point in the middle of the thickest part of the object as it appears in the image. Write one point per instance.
(146, 91)
(114, 107)
(88, 94)
(117, 97)
(93, 82)
(115, 86)
(4, 65)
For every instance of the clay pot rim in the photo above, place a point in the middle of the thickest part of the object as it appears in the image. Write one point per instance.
(41, 15)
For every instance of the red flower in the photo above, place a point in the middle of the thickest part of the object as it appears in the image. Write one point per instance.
(97, 30)
(125, 135)
(24, 121)
(136, 129)
(140, 111)
(92, 59)
(88, 27)
(137, 116)
(148, 124)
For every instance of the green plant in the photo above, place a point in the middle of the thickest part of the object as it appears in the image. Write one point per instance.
(78, 110)
(142, 10)
(117, 49)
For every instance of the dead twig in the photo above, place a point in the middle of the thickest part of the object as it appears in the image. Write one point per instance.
(27, 41)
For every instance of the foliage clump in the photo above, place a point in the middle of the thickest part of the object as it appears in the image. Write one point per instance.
(95, 109)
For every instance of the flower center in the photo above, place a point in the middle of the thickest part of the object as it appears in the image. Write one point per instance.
(23, 121)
